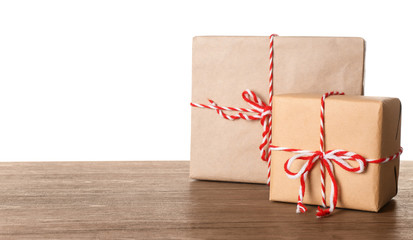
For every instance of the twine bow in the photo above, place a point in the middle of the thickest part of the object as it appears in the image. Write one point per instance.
(326, 159)
(340, 157)
(261, 111)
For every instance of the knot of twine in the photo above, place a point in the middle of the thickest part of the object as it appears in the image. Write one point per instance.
(326, 159)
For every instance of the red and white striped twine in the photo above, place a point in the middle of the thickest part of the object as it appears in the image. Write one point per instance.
(260, 111)
(322, 173)
(338, 156)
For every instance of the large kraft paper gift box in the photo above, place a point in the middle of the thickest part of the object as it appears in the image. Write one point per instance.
(368, 126)
(223, 67)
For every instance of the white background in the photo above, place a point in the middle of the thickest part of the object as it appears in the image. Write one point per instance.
(111, 80)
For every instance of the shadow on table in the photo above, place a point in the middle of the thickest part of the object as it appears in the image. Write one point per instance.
(243, 211)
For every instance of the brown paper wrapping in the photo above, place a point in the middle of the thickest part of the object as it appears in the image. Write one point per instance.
(369, 126)
(223, 67)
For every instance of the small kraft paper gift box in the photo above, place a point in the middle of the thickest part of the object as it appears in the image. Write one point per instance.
(224, 68)
(344, 154)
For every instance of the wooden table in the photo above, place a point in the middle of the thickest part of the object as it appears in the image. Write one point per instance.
(156, 200)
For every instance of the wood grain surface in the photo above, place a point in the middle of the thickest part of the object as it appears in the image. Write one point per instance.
(156, 200)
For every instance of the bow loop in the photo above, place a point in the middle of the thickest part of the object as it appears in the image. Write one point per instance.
(341, 158)
(308, 157)
(253, 100)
